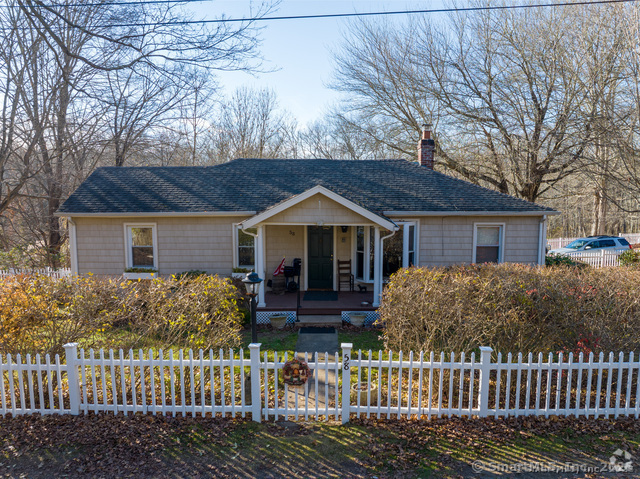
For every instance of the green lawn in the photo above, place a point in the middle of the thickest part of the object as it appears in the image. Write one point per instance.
(285, 340)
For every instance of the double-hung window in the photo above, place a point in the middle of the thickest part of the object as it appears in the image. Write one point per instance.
(488, 243)
(246, 248)
(141, 246)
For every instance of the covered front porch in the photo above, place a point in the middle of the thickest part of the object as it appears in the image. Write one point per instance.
(322, 229)
(296, 301)
(311, 306)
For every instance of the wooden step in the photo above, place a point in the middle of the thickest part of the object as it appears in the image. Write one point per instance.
(319, 320)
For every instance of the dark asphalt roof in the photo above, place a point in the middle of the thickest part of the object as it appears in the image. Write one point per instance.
(257, 184)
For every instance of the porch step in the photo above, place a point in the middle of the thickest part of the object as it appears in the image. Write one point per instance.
(319, 320)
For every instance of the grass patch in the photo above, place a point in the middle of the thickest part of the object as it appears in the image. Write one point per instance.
(285, 340)
(280, 340)
(365, 339)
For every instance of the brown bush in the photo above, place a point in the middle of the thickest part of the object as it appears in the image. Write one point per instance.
(39, 314)
(512, 308)
(197, 312)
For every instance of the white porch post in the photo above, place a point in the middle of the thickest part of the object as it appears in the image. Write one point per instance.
(260, 265)
(377, 268)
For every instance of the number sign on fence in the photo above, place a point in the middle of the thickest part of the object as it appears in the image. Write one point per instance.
(384, 385)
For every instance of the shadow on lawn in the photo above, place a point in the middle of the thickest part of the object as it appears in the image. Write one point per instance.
(146, 446)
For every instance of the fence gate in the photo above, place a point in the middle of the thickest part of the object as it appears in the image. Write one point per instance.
(319, 398)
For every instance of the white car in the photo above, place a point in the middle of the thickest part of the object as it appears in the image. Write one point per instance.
(594, 244)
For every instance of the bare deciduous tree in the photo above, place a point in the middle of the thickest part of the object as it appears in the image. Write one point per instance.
(250, 125)
(156, 33)
(500, 86)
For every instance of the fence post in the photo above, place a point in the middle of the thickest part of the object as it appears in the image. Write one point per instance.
(485, 372)
(256, 397)
(73, 380)
(346, 381)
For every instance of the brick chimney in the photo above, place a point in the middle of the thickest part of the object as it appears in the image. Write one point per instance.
(426, 147)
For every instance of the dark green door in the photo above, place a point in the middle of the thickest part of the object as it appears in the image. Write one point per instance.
(320, 257)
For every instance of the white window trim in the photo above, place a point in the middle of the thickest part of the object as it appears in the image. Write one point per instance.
(129, 243)
(366, 270)
(501, 246)
(236, 246)
(404, 224)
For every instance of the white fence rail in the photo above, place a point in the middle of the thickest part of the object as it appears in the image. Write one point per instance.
(555, 243)
(54, 273)
(208, 383)
(386, 385)
(35, 385)
(598, 259)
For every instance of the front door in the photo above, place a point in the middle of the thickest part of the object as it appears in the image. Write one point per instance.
(320, 258)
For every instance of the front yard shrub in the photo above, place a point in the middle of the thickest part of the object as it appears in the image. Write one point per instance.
(631, 257)
(192, 273)
(190, 312)
(39, 314)
(563, 260)
(512, 308)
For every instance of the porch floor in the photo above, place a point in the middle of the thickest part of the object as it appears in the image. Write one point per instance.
(347, 301)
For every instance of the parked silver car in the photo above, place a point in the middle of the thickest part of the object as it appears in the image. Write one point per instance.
(593, 244)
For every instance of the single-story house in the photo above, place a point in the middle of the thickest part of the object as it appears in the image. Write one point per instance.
(251, 213)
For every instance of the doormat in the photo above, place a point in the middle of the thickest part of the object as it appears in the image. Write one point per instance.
(316, 330)
(320, 296)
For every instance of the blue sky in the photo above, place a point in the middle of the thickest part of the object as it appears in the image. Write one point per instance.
(300, 50)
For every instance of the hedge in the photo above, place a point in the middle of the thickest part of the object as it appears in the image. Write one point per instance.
(512, 308)
(39, 314)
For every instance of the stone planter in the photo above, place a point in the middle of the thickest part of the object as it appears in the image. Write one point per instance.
(278, 321)
(357, 319)
(362, 392)
(136, 276)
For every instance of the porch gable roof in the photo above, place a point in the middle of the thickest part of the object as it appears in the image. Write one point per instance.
(381, 221)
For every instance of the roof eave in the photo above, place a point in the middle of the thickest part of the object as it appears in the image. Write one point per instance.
(70, 214)
(471, 213)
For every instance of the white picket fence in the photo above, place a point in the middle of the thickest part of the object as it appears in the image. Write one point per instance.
(54, 273)
(390, 386)
(598, 259)
(555, 243)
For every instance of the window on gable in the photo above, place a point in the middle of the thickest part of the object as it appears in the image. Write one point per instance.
(141, 246)
(488, 244)
(246, 248)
